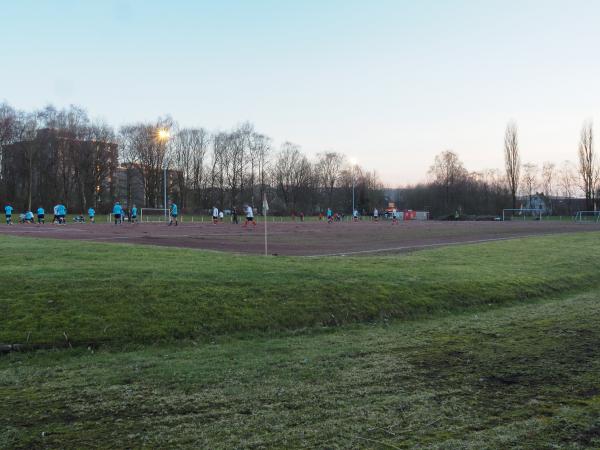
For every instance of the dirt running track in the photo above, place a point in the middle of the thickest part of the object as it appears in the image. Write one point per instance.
(303, 239)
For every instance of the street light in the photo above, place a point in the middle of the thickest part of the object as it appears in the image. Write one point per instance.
(353, 162)
(163, 136)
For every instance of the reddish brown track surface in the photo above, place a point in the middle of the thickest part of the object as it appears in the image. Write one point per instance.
(302, 239)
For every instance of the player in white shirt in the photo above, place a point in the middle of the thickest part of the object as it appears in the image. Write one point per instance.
(376, 215)
(394, 216)
(249, 216)
(215, 215)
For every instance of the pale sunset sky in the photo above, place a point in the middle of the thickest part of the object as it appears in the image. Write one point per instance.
(390, 83)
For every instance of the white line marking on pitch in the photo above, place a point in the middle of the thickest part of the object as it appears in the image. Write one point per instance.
(438, 244)
(39, 230)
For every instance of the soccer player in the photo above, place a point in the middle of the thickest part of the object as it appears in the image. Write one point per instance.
(221, 216)
(249, 216)
(92, 214)
(173, 214)
(329, 215)
(55, 211)
(62, 213)
(40, 215)
(8, 212)
(394, 216)
(355, 215)
(117, 212)
(215, 215)
(134, 214)
(376, 215)
(28, 217)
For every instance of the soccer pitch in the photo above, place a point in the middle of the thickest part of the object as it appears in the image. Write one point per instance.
(141, 346)
(310, 238)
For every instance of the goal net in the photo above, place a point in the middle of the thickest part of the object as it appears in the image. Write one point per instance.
(522, 214)
(587, 216)
(154, 215)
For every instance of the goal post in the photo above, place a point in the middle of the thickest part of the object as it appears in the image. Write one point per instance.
(522, 214)
(587, 216)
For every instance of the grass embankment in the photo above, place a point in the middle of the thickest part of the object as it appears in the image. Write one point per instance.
(522, 376)
(54, 291)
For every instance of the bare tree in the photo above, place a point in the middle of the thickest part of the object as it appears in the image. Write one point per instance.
(567, 180)
(146, 153)
(587, 164)
(512, 160)
(188, 153)
(548, 177)
(530, 179)
(447, 171)
(259, 153)
(26, 134)
(8, 125)
(328, 168)
(219, 160)
(292, 174)
(8, 119)
(235, 162)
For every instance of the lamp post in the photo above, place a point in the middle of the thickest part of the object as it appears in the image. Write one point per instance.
(163, 136)
(353, 162)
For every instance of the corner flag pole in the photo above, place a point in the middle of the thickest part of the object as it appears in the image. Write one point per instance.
(265, 207)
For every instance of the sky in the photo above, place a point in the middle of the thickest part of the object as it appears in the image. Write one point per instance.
(388, 83)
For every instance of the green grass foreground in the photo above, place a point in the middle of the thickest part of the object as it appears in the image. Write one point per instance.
(522, 376)
(54, 292)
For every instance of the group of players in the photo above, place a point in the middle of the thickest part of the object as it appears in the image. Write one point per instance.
(336, 217)
(119, 215)
(59, 210)
(217, 216)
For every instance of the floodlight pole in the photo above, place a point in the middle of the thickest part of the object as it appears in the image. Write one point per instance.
(163, 136)
(353, 185)
(165, 188)
(353, 209)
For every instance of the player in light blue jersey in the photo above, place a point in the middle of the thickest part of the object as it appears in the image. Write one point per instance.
(173, 213)
(8, 209)
(41, 214)
(117, 213)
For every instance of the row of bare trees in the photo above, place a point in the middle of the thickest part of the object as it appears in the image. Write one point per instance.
(228, 169)
(54, 155)
(453, 189)
(567, 181)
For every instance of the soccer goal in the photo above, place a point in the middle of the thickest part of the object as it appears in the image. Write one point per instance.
(111, 217)
(522, 214)
(587, 216)
(154, 215)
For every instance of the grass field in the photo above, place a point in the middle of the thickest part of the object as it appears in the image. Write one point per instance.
(92, 293)
(486, 346)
